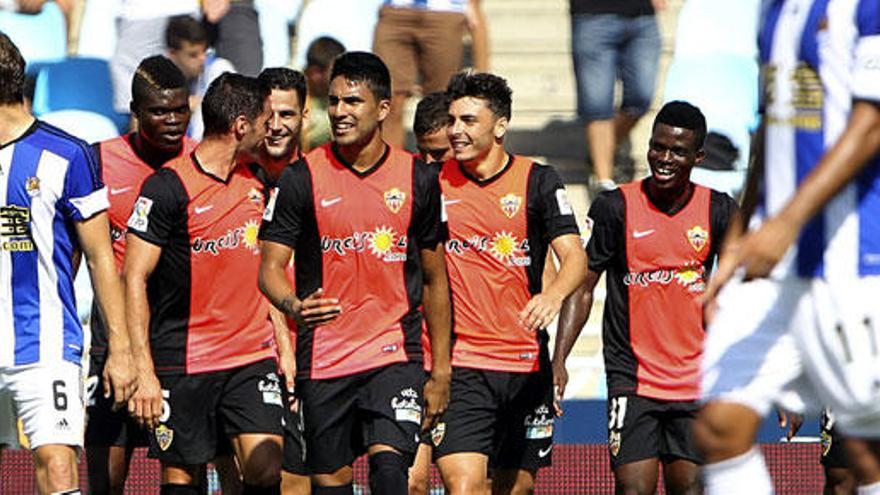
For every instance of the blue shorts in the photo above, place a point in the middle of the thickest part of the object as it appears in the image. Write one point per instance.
(606, 47)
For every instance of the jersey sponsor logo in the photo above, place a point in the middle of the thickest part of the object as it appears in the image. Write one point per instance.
(15, 229)
(406, 406)
(269, 213)
(32, 186)
(698, 237)
(383, 242)
(542, 453)
(539, 424)
(203, 209)
(140, 214)
(437, 433)
(807, 98)
(245, 236)
(270, 389)
(503, 246)
(562, 202)
(327, 203)
(394, 199)
(117, 191)
(692, 277)
(510, 204)
(638, 234)
(164, 436)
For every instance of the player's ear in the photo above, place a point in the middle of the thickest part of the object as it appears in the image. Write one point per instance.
(384, 109)
(500, 128)
(241, 126)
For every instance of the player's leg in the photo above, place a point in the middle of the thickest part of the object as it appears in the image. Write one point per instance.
(639, 60)
(633, 444)
(251, 409)
(420, 471)
(681, 461)
(864, 457)
(294, 473)
(391, 405)
(107, 468)
(463, 437)
(228, 473)
(839, 477)
(49, 402)
(395, 44)
(750, 360)
(514, 481)
(682, 477)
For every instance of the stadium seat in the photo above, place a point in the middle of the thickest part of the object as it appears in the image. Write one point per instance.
(76, 83)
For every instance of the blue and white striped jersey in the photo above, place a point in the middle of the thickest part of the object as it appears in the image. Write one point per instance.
(48, 181)
(435, 5)
(818, 57)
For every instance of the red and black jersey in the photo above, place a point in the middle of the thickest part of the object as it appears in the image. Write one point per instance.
(657, 266)
(358, 235)
(123, 171)
(207, 312)
(499, 232)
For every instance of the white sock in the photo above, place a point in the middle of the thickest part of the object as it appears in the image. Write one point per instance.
(745, 473)
(872, 489)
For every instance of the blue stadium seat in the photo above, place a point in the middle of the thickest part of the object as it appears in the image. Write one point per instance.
(76, 83)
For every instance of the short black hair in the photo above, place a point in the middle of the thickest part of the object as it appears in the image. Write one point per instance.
(156, 73)
(322, 51)
(230, 96)
(184, 28)
(285, 79)
(364, 67)
(682, 114)
(485, 86)
(432, 113)
(11, 72)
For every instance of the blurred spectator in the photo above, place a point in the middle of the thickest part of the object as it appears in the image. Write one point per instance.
(319, 61)
(97, 29)
(186, 40)
(234, 32)
(351, 22)
(423, 40)
(37, 27)
(715, 67)
(140, 34)
(276, 17)
(610, 39)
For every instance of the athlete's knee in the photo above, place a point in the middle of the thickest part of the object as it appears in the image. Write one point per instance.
(59, 468)
(725, 430)
(634, 485)
(262, 466)
(388, 473)
(418, 482)
(464, 484)
(689, 485)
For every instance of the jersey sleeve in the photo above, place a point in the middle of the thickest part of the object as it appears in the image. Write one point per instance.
(723, 208)
(159, 207)
(84, 193)
(428, 228)
(606, 217)
(866, 69)
(288, 205)
(556, 213)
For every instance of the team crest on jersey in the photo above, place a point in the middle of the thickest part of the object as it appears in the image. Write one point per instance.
(614, 443)
(394, 199)
(255, 197)
(437, 433)
(32, 186)
(164, 436)
(510, 204)
(825, 440)
(698, 237)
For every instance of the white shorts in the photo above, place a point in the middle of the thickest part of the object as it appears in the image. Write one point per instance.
(801, 344)
(49, 401)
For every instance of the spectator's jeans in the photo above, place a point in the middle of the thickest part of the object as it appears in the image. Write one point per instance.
(607, 46)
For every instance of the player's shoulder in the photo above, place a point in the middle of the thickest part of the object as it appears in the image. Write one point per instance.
(721, 199)
(607, 205)
(57, 141)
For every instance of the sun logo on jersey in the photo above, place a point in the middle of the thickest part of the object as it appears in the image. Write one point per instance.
(251, 234)
(510, 204)
(503, 246)
(382, 241)
(698, 237)
(394, 199)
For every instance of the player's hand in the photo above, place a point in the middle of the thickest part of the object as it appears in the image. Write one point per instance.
(119, 378)
(146, 404)
(540, 311)
(792, 421)
(287, 368)
(762, 249)
(560, 380)
(214, 10)
(316, 310)
(436, 394)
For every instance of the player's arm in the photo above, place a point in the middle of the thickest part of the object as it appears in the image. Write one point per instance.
(119, 377)
(438, 317)
(572, 317)
(141, 258)
(286, 350)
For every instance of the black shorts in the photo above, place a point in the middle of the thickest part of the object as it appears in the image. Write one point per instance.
(294, 442)
(104, 426)
(833, 450)
(640, 428)
(506, 416)
(343, 416)
(201, 411)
